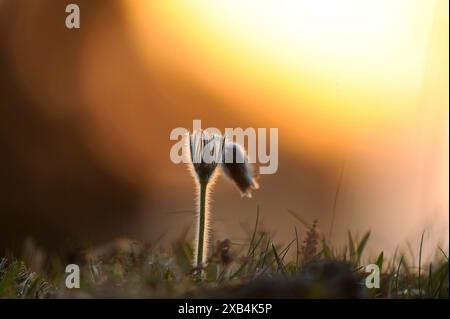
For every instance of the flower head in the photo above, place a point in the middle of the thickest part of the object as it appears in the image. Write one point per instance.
(236, 166)
(206, 152)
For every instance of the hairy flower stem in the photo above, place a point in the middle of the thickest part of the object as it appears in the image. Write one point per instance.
(201, 227)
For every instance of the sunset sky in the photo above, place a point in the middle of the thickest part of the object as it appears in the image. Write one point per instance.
(357, 88)
(368, 79)
(340, 66)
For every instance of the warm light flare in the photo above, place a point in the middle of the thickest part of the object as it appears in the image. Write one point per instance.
(338, 67)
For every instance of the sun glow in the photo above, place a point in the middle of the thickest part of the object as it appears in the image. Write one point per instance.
(351, 36)
(340, 64)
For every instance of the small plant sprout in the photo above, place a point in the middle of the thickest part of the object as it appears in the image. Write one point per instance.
(207, 151)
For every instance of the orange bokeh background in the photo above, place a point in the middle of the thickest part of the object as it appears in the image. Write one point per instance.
(358, 89)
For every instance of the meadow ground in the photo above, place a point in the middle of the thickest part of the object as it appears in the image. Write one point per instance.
(307, 267)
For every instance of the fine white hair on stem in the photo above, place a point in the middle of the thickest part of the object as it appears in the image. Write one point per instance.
(207, 226)
(206, 152)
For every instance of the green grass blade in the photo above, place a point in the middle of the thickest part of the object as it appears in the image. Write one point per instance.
(300, 219)
(379, 261)
(420, 264)
(351, 247)
(254, 231)
(297, 247)
(361, 246)
(277, 258)
(443, 253)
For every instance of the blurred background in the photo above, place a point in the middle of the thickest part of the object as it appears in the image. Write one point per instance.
(358, 91)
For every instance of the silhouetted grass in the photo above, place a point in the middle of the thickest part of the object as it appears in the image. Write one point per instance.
(306, 267)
